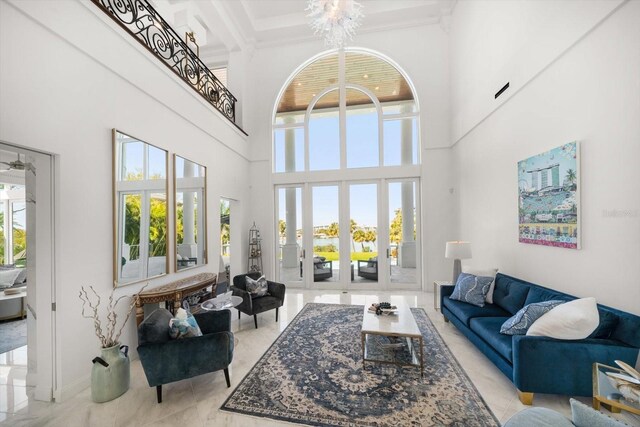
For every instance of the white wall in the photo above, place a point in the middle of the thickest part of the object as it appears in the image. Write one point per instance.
(495, 41)
(590, 94)
(424, 54)
(68, 75)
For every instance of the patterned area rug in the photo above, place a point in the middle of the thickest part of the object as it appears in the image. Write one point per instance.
(313, 374)
(13, 334)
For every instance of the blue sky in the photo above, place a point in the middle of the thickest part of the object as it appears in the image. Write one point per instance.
(362, 142)
(133, 152)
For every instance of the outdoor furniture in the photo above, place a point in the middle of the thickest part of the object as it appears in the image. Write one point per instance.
(322, 269)
(166, 360)
(370, 270)
(252, 306)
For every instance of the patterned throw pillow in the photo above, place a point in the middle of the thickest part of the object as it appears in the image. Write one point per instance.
(257, 288)
(471, 289)
(184, 325)
(520, 322)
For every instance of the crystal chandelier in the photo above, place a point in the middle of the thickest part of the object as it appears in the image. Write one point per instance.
(335, 20)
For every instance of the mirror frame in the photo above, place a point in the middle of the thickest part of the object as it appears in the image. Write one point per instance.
(115, 210)
(205, 254)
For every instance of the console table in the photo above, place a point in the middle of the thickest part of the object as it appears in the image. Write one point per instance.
(174, 292)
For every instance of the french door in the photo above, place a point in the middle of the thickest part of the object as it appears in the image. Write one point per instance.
(361, 234)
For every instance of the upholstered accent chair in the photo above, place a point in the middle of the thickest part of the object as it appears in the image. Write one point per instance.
(253, 306)
(369, 270)
(166, 360)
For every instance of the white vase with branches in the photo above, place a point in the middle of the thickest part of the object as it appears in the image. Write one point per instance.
(110, 375)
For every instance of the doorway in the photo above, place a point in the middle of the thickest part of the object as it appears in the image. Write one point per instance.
(349, 234)
(26, 287)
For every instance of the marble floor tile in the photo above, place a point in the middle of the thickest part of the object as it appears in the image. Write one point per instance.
(197, 401)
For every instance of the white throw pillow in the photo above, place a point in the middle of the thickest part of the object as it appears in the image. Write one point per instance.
(8, 277)
(573, 320)
(486, 272)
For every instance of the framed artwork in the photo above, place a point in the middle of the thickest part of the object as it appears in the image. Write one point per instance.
(549, 198)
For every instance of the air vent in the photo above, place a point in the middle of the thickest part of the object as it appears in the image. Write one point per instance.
(505, 87)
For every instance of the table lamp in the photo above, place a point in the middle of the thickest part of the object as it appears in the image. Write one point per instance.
(457, 251)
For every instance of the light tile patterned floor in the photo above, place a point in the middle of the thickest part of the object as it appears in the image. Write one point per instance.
(195, 402)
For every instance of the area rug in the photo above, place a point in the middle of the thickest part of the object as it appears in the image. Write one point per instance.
(313, 374)
(13, 334)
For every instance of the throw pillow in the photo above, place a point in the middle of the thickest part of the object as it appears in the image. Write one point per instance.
(8, 277)
(22, 276)
(585, 416)
(490, 272)
(257, 288)
(471, 289)
(524, 318)
(573, 320)
(184, 325)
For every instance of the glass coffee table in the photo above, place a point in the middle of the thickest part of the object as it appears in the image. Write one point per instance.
(393, 338)
(218, 303)
(605, 394)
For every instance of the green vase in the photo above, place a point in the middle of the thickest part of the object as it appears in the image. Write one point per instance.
(110, 375)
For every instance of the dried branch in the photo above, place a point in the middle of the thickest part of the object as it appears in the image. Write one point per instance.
(108, 337)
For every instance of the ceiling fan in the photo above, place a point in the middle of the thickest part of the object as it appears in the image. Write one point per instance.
(18, 165)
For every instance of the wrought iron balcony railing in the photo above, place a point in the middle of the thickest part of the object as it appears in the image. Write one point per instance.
(142, 21)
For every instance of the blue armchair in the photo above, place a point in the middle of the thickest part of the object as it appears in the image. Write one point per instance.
(165, 360)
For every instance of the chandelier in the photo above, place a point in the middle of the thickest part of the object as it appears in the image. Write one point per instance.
(335, 20)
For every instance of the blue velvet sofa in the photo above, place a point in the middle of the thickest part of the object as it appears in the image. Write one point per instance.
(540, 364)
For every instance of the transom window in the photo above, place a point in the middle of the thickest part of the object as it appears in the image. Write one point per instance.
(345, 110)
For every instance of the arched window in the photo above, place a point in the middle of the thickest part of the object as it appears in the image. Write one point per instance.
(345, 110)
(346, 174)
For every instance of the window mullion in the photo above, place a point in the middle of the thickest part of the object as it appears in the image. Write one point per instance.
(343, 109)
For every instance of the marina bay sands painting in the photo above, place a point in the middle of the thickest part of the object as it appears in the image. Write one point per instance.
(549, 198)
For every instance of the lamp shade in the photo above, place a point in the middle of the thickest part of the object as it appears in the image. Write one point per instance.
(458, 250)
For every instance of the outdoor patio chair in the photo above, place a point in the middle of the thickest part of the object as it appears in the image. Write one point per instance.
(369, 270)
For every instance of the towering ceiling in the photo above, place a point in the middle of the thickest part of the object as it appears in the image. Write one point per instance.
(222, 26)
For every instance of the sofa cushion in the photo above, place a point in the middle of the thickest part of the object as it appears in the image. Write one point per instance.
(488, 328)
(155, 328)
(539, 294)
(472, 289)
(608, 322)
(465, 312)
(524, 318)
(628, 329)
(510, 293)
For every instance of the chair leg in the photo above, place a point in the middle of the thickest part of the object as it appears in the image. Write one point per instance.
(159, 393)
(277, 314)
(238, 314)
(255, 319)
(525, 398)
(226, 377)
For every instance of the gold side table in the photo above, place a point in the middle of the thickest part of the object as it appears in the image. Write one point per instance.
(436, 291)
(605, 394)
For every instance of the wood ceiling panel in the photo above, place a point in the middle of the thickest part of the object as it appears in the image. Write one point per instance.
(375, 74)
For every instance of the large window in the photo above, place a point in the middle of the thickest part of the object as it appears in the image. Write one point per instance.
(346, 142)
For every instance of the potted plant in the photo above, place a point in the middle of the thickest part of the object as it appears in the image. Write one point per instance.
(110, 375)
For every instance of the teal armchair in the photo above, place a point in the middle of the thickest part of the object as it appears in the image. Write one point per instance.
(165, 360)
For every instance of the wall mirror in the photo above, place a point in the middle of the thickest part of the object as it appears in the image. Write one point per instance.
(190, 215)
(140, 186)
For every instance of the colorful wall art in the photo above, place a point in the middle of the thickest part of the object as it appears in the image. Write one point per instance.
(549, 198)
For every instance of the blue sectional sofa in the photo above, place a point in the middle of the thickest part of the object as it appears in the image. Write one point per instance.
(539, 364)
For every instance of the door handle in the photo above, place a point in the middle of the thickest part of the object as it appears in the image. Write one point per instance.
(388, 253)
(303, 255)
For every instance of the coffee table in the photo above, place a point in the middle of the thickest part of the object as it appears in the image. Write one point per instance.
(604, 393)
(399, 325)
